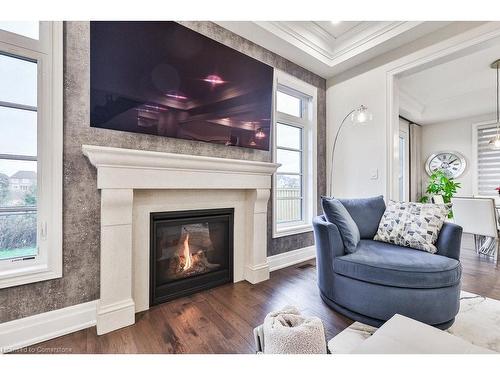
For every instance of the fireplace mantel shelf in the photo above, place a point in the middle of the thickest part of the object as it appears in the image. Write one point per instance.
(137, 169)
(125, 257)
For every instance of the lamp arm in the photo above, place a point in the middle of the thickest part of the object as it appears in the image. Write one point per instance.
(333, 149)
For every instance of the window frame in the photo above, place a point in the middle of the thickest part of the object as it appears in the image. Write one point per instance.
(47, 51)
(308, 125)
(475, 156)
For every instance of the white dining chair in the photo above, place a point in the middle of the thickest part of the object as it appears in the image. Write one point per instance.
(478, 216)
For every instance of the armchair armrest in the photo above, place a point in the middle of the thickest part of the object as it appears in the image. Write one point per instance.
(328, 246)
(449, 241)
(327, 237)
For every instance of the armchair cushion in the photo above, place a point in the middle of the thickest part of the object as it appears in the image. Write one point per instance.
(392, 265)
(337, 214)
(366, 213)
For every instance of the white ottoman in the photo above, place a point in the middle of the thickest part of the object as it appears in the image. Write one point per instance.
(402, 335)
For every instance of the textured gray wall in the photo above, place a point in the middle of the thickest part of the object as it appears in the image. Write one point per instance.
(81, 200)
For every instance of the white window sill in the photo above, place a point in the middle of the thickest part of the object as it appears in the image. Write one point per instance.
(28, 279)
(288, 231)
(29, 273)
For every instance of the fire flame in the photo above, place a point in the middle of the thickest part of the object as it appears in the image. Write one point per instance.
(188, 262)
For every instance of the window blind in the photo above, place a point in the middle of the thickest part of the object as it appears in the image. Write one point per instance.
(488, 162)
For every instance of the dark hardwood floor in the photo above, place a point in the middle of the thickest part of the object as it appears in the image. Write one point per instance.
(480, 274)
(221, 320)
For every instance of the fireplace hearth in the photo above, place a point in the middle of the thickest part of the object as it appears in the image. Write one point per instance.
(190, 251)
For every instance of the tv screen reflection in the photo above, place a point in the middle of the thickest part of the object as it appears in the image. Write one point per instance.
(164, 79)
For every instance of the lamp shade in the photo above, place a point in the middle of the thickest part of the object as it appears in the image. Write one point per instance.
(361, 115)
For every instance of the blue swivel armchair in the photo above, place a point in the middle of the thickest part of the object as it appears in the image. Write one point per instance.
(379, 279)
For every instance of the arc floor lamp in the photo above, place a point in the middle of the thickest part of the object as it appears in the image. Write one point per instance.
(495, 141)
(358, 115)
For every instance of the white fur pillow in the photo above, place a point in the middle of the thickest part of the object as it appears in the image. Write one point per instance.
(288, 332)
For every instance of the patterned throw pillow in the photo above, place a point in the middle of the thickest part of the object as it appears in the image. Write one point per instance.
(414, 225)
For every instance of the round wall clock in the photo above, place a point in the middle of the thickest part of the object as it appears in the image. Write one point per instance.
(452, 163)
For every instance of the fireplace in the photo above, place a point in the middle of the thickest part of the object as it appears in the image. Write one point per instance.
(134, 183)
(189, 251)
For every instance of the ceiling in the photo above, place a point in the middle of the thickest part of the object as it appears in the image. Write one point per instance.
(460, 88)
(328, 48)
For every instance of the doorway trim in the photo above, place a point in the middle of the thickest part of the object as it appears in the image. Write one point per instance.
(459, 43)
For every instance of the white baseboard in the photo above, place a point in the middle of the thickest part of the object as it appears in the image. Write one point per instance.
(23, 332)
(256, 274)
(290, 258)
(115, 316)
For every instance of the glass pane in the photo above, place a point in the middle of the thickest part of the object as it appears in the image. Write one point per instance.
(17, 183)
(288, 136)
(18, 132)
(190, 247)
(288, 104)
(288, 186)
(288, 210)
(17, 81)
(17, 235)
(28, 29)
(290, 161)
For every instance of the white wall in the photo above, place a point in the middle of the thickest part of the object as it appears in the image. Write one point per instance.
(455, 135)
(361, 147)
(364, 149)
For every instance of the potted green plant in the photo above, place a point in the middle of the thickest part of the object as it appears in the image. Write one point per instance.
(440, 184)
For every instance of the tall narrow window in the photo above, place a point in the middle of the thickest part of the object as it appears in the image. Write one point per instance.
(488, 162)
(289, 177)
(18, 158)
(30, 151)
(295, 149)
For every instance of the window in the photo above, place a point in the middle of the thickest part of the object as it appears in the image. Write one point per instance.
(289, 199)
(30, 152)
(294, 193)
(404, 161)
(487, 161)
(402, 164)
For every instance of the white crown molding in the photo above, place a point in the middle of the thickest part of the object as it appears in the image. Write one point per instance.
(20, 333)
(318, 29)
(333, 50)
(370, 37)
(299, 40)
(313, 47)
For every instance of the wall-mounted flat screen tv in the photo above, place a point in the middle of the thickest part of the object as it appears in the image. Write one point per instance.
(164, 79)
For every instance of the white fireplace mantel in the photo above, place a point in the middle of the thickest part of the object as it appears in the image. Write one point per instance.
(120, 168)
(121, 171)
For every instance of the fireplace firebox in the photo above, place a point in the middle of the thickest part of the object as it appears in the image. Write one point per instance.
(190, 251)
